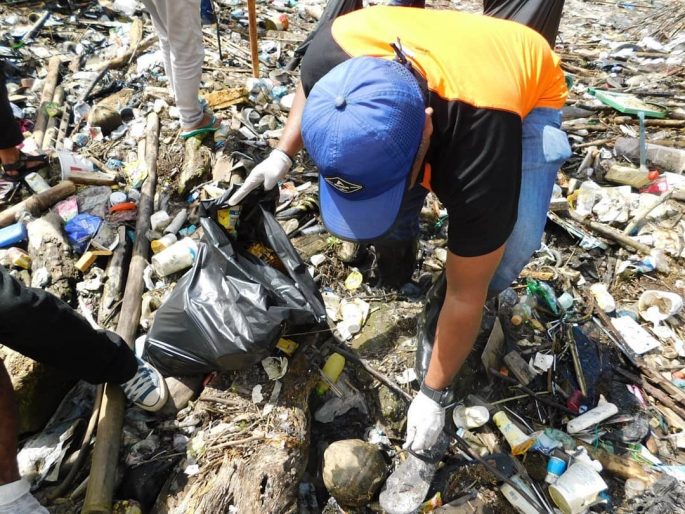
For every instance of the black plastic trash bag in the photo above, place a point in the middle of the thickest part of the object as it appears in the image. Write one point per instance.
(230, 309)
(541, 15)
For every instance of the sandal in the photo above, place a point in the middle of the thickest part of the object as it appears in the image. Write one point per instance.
(209, 128)
(16, 171)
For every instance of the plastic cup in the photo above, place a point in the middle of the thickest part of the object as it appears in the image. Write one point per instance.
(577, 489)
(72, 164)
(555, 467)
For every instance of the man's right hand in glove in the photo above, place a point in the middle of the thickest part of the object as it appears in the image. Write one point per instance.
(267, 173)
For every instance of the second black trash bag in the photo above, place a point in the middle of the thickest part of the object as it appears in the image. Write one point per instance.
(230, 309)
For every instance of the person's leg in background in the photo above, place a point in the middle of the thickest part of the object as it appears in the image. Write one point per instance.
(14, 163)
(207, 12)
(179, 29)
(543, 16)
(396, 252)
(157, 11)
(545, 148)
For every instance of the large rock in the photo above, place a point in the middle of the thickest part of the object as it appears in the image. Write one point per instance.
(39, 389)
(353, 471)
(105, 117)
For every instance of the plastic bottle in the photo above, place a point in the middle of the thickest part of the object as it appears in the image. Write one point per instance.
(523, 310)
(544, 292)
(36, 182)
(176, 257)
(666, 157)
(520, 443)
(407, 487)
(163, 243)
(331, 369)
(592, 417)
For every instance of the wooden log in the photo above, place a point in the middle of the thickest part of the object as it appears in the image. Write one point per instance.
(254, 42)
(52, 129)
(116, 274)
(46, 97)
(93, 178)
(106, 452)
(38, 202)
(50, 250)
(263, 479)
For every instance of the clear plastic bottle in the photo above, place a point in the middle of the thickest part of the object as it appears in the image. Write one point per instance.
(406, 489)
(523, 310)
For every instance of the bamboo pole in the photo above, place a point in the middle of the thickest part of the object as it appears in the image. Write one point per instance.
(106, 452)
(254, 43)
(46, 97)
(38, 203)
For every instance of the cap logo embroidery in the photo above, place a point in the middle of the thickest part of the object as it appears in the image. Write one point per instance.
(343, 185)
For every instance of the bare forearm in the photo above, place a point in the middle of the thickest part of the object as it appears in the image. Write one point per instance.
(457, 329)
(291, 141)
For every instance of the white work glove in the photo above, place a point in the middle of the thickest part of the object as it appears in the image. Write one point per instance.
(267, 173)
(425, 421)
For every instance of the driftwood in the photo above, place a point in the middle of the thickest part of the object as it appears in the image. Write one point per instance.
(52, 257)
(38, 202)
(46, 97)
(263, 478)
(116, 274)
(106, 452)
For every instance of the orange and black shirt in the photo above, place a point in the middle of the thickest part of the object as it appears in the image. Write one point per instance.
(483, 76)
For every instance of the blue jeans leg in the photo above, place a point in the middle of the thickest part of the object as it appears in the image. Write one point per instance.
(545, 148)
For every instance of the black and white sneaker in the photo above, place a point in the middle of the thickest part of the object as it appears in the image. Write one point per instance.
(147, 388)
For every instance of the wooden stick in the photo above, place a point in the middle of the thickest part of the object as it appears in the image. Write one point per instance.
(532, 393)
(640, 216)
(106, 453)
(659, 395)
(254, 43)
(38, 202)
(35, 29)
(116, 273)
(46, 97)
(371, 371)
(611, 233)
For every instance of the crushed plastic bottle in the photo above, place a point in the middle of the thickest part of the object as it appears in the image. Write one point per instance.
(406, 489)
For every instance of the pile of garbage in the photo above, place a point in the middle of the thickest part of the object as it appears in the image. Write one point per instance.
(574, 395)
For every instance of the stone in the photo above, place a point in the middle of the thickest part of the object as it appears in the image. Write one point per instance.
(38, 388)
(353, 471)
(105, 117)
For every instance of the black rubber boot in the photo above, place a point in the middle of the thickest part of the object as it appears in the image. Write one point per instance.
(396, 261)
(427, 325)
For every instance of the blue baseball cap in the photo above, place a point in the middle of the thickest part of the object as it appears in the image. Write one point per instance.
(362, 125)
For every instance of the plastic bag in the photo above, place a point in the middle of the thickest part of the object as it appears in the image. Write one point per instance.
(229, 311)
(80, 230)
